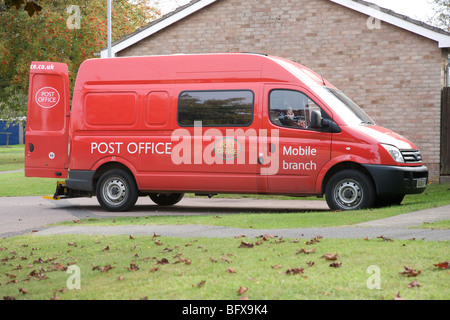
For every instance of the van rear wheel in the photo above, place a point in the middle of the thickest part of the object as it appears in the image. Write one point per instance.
(166, 199)
(350, 190)
(117, 191)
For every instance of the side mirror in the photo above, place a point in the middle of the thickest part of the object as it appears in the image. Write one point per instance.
(316, 119)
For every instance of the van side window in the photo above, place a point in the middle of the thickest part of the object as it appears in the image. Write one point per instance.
(216, 108)
(289, 108)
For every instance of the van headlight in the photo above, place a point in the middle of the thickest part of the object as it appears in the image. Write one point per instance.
(394, 152)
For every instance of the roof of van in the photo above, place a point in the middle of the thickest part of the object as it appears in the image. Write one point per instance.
(191, 68)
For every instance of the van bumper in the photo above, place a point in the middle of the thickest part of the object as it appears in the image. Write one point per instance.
(80, 180)
(394, 180)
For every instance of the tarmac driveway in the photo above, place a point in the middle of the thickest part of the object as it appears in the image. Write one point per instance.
(20, 215)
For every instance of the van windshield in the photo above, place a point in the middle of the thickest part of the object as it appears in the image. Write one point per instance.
(353, 113)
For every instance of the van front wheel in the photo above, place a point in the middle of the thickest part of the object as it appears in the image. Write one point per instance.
(350, 190)
(166, 199)
(117, 191)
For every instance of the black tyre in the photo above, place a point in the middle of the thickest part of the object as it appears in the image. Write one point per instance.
(350, 190)
(117, 190)
(166, 199)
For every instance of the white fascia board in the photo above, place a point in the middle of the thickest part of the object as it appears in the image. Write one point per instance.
(442, 39)
(157, 27)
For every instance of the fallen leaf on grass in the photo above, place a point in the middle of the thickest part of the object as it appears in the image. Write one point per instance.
(414, 284)
(294, 271)
(410, 272)
(103, 269)
(201, 283)
(37, 275)
(397, 296)
(230, 270)
(133, 266)
(260, 242)
(306, 251)
(330, 256)
(162, 261)
(59, 266)
(443, 265)
(227, 260)
(105, 248)
(245, 245)
(184, 260)
(242, 290)
(277, 266)
(314, 240)
(336, 264)
(385, 238)
(24, 291)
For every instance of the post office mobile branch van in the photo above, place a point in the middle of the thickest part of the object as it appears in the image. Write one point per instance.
(161, 126)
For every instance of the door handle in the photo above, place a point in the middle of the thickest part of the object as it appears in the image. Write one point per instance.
(273, 148)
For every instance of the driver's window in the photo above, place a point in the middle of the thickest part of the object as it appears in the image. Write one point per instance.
(289, 108)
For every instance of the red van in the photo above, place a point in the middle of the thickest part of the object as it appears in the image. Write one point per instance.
(207, 124)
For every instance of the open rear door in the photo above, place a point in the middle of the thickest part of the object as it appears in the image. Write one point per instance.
(47, 130)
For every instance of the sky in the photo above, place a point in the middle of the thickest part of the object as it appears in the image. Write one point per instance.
(416, 9)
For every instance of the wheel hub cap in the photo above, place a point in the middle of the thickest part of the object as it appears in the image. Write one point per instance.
(348, 193)
(114, 191)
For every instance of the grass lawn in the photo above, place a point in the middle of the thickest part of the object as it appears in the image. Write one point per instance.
(443, 224)
(11, 157)
(124, 267)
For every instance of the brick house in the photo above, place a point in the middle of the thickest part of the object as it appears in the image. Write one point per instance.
(390, 65)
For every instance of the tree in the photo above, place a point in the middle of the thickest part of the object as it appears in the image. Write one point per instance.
(441, 18)
(57, 32)
(30, 7)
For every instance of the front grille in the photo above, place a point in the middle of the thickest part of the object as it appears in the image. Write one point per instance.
(411, 156)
